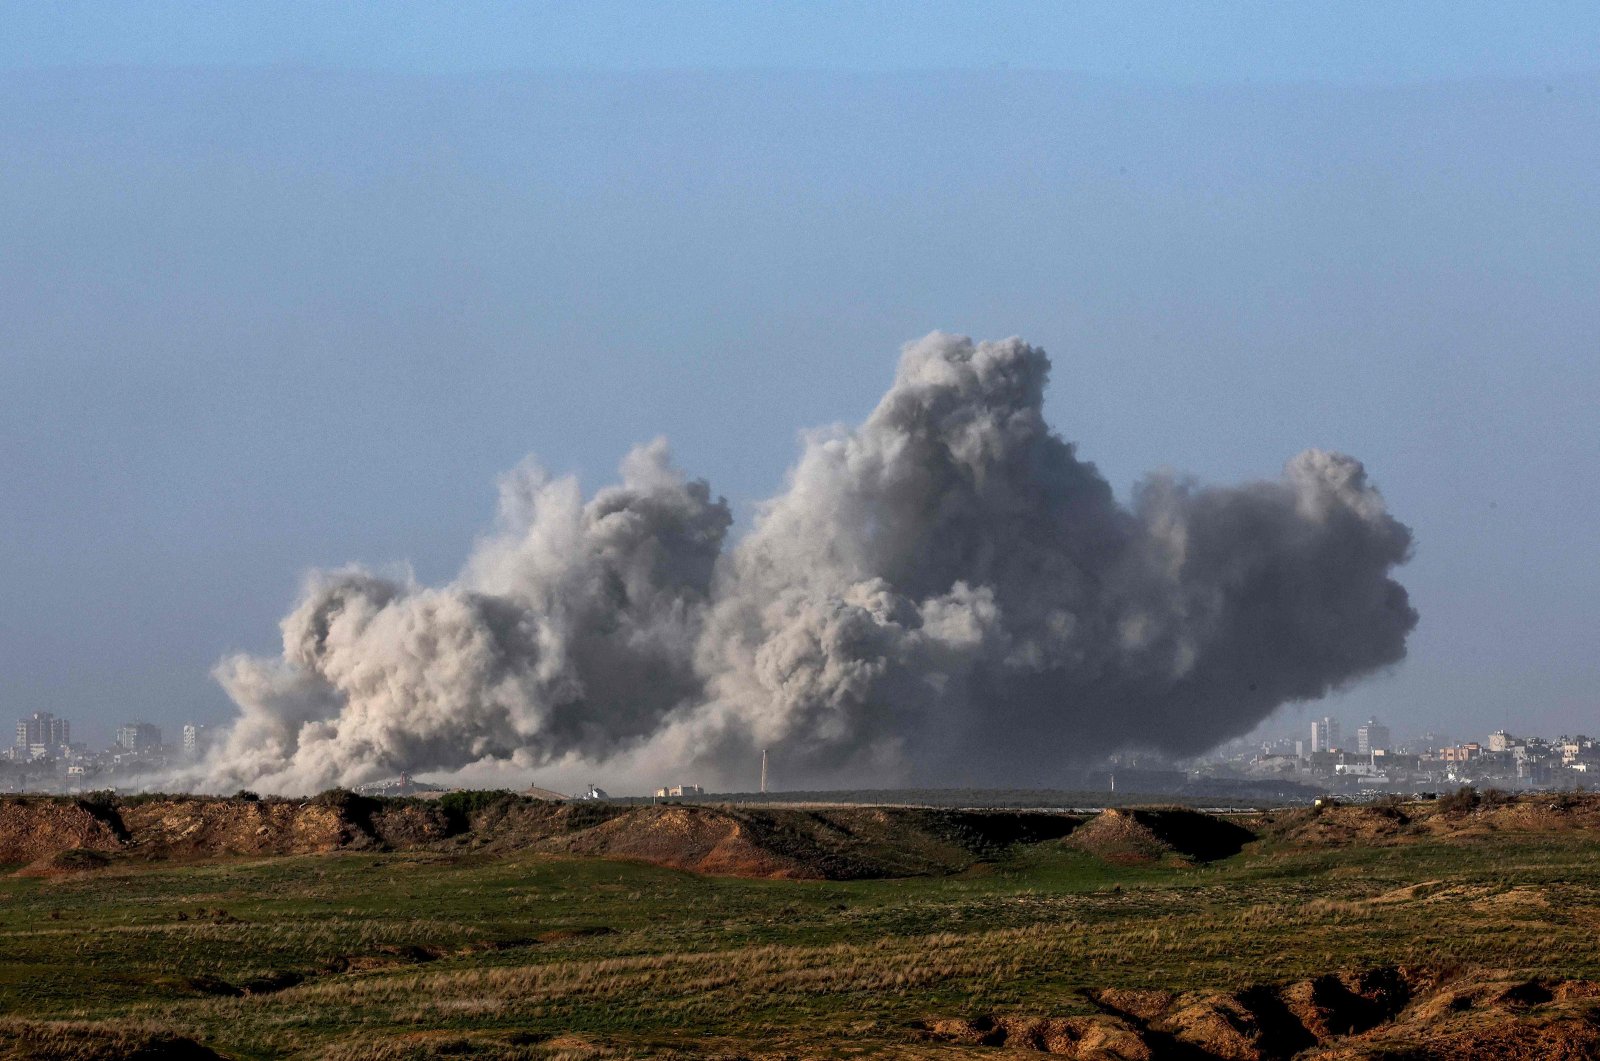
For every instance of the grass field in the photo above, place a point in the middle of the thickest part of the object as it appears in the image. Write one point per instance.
(433, 954)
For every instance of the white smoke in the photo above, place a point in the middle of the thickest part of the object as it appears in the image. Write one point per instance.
(945, 593)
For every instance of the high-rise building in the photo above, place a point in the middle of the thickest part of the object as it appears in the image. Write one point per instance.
(1372, 736)
(1324, 735)
(194, 739)
(45, 732)
(138, 737)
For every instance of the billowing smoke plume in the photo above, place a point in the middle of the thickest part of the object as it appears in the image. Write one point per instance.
(943, 594)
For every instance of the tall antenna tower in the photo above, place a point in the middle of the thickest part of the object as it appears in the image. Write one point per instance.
(763, 771)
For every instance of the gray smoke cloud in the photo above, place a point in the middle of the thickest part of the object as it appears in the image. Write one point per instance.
(944, 594)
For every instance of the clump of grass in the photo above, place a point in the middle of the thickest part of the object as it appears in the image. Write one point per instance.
(35, 1040)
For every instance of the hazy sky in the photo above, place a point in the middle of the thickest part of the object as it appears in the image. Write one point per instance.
(290, 289)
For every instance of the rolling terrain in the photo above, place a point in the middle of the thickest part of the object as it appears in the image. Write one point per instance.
(838, 843)
(486, 926)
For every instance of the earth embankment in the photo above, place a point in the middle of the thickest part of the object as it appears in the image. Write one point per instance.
(837, 844)
(51, 835)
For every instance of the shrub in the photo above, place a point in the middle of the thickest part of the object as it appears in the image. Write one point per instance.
(459, 807)
(1391, 806)
(1461, 801)
(103, 806)
(351, 805)
(103, 799)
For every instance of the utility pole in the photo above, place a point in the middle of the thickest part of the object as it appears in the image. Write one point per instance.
(763, 771)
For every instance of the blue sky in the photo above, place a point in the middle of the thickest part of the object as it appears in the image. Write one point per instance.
(1183, 42)
(288, 286)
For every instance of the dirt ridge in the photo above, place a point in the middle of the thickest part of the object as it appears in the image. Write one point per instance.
(1465, 814)
(1385, 1012)
(55, 835)
(51, 835)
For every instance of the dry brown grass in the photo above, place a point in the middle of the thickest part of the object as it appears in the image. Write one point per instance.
(35, 1040)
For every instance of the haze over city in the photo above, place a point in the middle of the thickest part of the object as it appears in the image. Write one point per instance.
(267, 307)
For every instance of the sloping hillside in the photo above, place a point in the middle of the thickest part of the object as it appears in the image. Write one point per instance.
(834, 844)
(1146, 835)
(1459, 815)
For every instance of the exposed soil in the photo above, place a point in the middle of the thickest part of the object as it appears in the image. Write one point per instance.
(62, 835)
(1369, 1014)
(1097, 1037)
(33, 829)
(51, 836)
(835, 844)
(73, 860)
(195, 827)
(1456, 816)
(1129, 836)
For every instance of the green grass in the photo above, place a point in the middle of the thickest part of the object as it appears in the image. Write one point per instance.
(646, 961)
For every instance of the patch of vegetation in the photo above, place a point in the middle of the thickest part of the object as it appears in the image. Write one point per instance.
(352, 806)
(1463, 800)
(78, 859)
(138, 799)
(461, 805)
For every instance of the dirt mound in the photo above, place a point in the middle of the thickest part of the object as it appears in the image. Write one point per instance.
(1148, 835)
(696, 839)
(1384, 1012)
(35, 828)
(1100, 1038)
(503, 822)
(1462, 814)
(1368, 1014)
(30, 1040)
(1486, 1017)
(842, 844)
(64, 863)
(1268, 1021)
(406, 825)
(1469, 813)
(180, 827)
(1336, 825)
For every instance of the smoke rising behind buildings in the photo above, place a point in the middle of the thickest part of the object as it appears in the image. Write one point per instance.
(944, 593)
